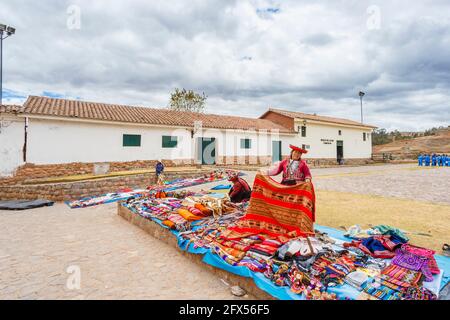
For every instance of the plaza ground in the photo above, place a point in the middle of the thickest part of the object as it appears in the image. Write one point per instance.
(120, 261)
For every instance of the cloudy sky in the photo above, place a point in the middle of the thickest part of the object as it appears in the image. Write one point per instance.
(308, 56)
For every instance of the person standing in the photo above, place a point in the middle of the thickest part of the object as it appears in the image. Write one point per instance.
(420, 160)
(295, 170)
(427, 160)
(433, 160)
(159, 170)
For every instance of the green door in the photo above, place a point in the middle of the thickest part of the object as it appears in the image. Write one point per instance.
(276, 151)
(207, 151)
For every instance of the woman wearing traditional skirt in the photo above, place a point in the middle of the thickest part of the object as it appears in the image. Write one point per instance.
(295, 170)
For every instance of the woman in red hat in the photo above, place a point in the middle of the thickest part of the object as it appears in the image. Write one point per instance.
(240, 191)
(294, 169)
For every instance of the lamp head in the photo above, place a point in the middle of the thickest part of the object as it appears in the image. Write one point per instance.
(2, 27)
(10, 31)
(361, 94)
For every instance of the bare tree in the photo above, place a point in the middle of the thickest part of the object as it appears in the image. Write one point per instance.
(187, 100)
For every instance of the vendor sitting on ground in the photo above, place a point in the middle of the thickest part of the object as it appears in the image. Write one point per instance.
(240, 191)
(159, 169)
(295, 170)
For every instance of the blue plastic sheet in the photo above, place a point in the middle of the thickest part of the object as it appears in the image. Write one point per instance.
(344, 291)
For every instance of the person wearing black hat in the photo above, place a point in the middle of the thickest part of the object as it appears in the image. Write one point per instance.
(295, 170)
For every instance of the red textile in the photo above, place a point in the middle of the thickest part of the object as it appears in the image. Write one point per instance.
(278, 210)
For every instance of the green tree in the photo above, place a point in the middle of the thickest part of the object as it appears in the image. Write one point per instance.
(187, 100)
(380, 136)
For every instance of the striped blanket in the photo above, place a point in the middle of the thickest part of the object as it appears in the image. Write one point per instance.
(277, 210)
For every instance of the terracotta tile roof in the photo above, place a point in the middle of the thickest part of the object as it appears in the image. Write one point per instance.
(5, 108)
(300, 115)
(108, 112)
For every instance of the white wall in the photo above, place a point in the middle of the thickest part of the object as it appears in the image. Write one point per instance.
(11, 143)
(354, 146)
(55, 141)
(59, 141)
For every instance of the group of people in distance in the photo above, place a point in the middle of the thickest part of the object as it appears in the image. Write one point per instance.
(434, 160)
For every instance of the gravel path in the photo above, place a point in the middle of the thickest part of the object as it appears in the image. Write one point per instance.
(116, 260)
(403, 181)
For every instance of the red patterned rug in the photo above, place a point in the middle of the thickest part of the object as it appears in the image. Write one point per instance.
(277, 210)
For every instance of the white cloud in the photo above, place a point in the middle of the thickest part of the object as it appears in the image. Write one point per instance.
(245, 55)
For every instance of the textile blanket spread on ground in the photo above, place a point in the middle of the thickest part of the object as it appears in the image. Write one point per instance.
(277, 210)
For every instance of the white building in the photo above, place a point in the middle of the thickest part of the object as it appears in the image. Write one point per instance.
(57, 131)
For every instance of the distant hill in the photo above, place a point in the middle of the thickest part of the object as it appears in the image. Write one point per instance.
(410, 148)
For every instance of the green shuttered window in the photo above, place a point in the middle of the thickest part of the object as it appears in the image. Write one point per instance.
(246, 144)
(169, 142)
(131, 140)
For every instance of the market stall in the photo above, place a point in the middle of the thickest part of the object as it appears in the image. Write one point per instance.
(273, 241)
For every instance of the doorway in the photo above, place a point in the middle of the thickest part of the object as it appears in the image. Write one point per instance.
(340, 151)
(207, 151)
(276, 151)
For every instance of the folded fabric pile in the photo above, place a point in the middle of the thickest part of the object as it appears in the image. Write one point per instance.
(381, 246)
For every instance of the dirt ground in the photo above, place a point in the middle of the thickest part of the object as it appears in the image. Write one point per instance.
(40, 248)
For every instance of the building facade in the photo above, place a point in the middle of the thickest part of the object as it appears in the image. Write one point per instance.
(48, 131)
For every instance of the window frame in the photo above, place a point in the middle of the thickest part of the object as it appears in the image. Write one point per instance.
(168, 142)
(126, 140)
(303, 131)
(245, 145)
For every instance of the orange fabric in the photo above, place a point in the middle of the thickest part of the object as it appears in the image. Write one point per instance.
(205, 211)
(186, 214)
(169, 224)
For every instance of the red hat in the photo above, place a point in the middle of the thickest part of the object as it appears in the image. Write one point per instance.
(297, 149)
(233, 176)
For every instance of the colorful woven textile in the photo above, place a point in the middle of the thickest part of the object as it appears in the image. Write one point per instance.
(279, 210)
(401, 276)
(377, 246)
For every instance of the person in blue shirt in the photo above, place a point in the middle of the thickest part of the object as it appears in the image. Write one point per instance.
(447, 160)
(159, 169)
(433, 160)
(427, 160)
(420, 160)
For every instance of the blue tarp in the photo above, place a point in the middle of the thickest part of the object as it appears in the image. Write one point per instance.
(344, 291)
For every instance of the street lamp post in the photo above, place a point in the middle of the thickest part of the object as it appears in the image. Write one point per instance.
(361, 95)
(5, 32)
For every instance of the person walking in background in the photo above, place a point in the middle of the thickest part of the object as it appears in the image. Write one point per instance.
(159, 170)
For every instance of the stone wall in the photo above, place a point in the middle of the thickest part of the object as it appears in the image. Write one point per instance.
(81, 189)
(31, 171)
